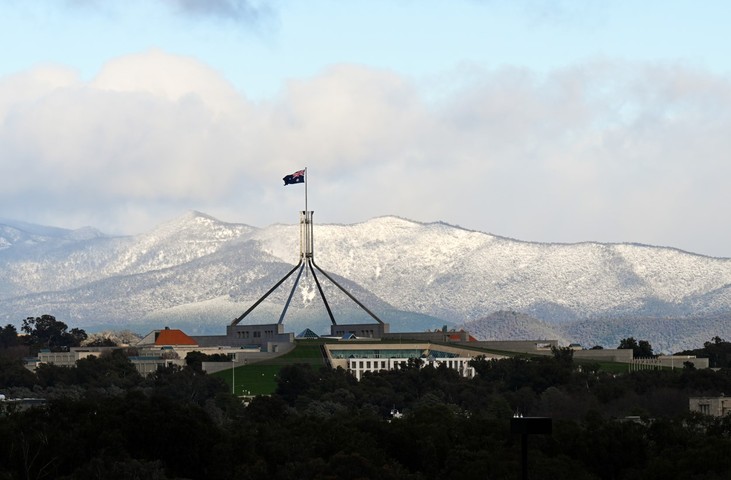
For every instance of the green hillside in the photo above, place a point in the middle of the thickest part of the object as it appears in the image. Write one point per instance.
(261, 378)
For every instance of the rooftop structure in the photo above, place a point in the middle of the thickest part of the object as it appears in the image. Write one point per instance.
(167, 337)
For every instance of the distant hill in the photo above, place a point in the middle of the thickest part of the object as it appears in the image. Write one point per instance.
(668, 335)
(511, 325)
(199, 273)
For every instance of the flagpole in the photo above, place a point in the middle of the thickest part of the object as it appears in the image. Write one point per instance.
(305, 190)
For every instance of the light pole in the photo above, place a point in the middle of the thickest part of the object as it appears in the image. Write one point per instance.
(233, 375)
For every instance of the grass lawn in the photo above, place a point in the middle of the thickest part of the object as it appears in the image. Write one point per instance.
(261, 378)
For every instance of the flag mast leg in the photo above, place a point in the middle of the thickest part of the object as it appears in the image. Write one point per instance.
(306, 262)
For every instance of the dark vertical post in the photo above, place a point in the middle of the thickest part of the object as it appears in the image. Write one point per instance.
(529, 426)
(524, 454)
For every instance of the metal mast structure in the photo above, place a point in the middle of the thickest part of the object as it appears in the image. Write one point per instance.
(306, 261)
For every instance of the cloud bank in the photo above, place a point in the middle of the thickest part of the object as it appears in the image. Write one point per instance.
(605, 151)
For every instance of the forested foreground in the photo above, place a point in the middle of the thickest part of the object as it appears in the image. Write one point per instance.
(103, 420)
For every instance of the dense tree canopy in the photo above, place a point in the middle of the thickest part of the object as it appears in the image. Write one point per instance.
(322, 423)
(717, 350)
(639, 349)
(195, 359)
(8, 336)
(47, 332)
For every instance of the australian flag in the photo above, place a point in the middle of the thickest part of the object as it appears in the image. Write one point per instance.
(296, 177)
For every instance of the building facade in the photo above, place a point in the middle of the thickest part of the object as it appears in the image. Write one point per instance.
(715, 406)
(360, 358)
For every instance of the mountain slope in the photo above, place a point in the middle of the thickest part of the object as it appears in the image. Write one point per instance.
(440, 273)
(458, 274)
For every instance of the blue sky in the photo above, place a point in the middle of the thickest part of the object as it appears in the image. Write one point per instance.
(259, 45)
(552, 121)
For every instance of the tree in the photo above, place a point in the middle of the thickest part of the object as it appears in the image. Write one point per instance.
(563, 354)
(14, 374)
(641, 349)
(644, 349)
(101, 342)
(8, 336)
(195, 359)
(112, 368)
(47, 332)
(628, 343)
(718, 352)
(296, 380)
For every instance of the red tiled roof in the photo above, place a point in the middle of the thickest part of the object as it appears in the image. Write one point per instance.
(456, 337)
(174, 337)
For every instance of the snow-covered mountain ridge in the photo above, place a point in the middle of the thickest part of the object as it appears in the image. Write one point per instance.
(435, 271)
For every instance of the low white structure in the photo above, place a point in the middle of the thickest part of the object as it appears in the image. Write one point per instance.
(359, 358)
(66, 359)
(145, 365)
(359, 366)
(668, 361)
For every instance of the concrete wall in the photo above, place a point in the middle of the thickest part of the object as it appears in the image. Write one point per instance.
(716, 406)
(605, 355)
(519, 346)
(678, 361)
(210, 341)
(667, 361)
(269, 337)
(145, 365)
(437, 337)
(148, 365)
(360, 330)
(66, 359)
(246, 357)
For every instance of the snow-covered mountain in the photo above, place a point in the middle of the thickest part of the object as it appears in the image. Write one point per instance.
(201, 272)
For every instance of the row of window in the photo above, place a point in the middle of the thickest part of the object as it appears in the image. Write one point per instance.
(254, 334)
(361, 333)
(367, 364)
(358, 367)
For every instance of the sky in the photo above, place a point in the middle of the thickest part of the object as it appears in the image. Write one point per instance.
(544, 121)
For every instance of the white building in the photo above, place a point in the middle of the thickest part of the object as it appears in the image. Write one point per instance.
(359, 358)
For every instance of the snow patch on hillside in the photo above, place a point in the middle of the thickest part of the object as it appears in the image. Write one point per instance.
(435, 270)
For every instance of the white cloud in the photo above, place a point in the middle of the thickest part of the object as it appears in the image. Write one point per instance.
(603, 151)
(172, 78)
